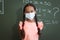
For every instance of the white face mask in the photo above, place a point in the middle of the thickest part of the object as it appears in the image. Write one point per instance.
(30, 15)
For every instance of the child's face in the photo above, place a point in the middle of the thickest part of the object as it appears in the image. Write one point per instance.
(29, 9)
(30, 12)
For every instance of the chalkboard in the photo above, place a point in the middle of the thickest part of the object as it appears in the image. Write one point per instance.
(46, 10)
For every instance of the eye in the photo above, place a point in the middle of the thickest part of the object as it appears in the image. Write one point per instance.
(32, 11)
(26, 12)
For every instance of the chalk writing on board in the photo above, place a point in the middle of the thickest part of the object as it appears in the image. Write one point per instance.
(45, 11)
(57, 10)
(36, 2)
(51, 21)
(47, 3)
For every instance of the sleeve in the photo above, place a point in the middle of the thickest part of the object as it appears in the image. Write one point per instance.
(40, 25)
(20, 25)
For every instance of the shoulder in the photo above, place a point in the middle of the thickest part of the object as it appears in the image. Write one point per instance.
(20, 24)
(40, 25)
(40, 22)
(20, 21)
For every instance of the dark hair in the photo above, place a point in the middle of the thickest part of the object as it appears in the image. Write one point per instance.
(29, 4)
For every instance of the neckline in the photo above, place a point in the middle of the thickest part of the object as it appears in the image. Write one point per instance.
(29, 22)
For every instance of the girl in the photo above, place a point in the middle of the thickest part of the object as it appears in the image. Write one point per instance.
(29, 28)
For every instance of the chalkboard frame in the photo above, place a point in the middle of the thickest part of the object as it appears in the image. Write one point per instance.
(2, 5)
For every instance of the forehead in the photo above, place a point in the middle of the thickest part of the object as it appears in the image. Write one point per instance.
(29, 8)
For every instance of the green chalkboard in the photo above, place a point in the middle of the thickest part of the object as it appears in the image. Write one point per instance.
(48, 11)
